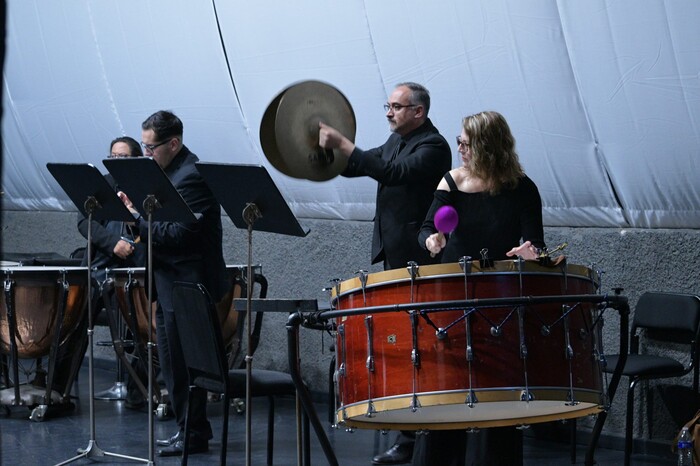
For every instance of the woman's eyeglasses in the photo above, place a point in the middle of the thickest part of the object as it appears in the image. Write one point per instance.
(462, 143)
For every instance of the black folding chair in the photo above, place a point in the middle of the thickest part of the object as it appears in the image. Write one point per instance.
(658, 317)
(207, 365)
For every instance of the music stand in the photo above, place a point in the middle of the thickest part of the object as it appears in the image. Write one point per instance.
(95, 199)
(251, 199)
(156, 199)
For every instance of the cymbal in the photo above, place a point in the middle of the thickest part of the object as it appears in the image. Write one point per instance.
(289, 130)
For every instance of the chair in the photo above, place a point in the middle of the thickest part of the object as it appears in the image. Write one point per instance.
(207, 365)
(658, 317)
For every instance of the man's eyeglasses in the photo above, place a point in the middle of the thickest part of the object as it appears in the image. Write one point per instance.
(463, 143)
(396, 107)
(118, 156)
(152, 147)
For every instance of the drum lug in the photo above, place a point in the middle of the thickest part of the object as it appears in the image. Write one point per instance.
(526, 395)
(465, 263)
(441, 333)
(471, 399)
(369, 363)
(415, 357)
(362, 276)
(415, 403)
(341, 366)
(371, 411)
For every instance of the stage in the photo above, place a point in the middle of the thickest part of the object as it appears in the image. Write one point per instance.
(125, 432)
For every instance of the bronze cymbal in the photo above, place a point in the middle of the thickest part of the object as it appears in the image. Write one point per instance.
(268, 139)
(289, 130)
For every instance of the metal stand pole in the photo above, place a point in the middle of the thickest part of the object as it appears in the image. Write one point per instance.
(251, 214)
(93, 450)
(150, 204)
(118, 390)
(293, 323)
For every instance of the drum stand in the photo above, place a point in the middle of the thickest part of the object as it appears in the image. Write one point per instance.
(118, 389)
(93, 450)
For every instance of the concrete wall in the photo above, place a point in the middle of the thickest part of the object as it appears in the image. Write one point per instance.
(299, 268)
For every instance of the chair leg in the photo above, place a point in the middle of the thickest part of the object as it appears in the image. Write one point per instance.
(224, 429)
(331, 391)
(186, 447)
(629, 422)
(270, 429)
(649, 395)
(572, 439)
(306, 433)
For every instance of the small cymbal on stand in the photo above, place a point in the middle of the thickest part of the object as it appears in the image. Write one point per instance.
(289, 130)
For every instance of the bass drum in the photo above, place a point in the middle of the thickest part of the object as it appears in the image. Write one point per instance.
(463, 368)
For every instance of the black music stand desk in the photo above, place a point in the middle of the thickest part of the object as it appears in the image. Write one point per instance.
(237, 185)
(154, 196)
(251, 199)
(83, 181)
(149, 189)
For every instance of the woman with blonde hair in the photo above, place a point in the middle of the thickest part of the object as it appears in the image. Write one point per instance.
(497, 204)
(498, 209)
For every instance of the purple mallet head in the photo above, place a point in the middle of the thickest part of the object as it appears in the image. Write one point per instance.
(446, 219)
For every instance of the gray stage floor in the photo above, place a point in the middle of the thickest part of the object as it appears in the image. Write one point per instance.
(125, 432)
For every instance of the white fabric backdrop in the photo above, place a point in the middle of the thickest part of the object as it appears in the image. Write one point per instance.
(602, 97)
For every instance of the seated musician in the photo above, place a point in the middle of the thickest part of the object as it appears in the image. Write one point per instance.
(114, 244)
(498, 206)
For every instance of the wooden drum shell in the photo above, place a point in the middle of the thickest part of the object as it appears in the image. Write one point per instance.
(497, 376)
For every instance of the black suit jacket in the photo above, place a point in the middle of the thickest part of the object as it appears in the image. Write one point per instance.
(407, 180)
(190, 252)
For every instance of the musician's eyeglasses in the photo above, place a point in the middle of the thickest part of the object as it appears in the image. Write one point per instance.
(152, 147)
(118, 156)
(396, 107)
(462, 143)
